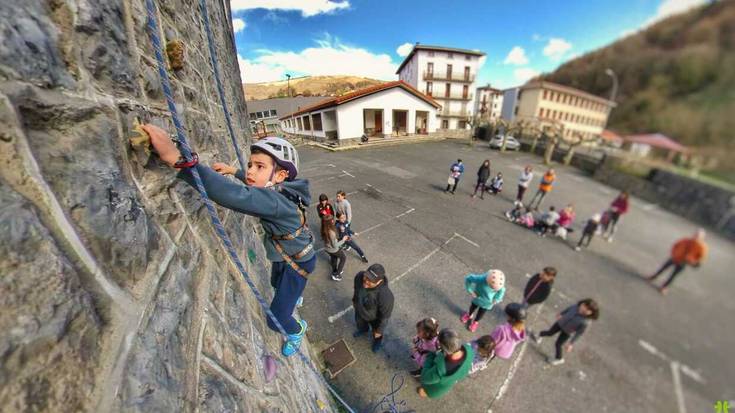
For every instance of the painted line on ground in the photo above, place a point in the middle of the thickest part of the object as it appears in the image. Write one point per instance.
(374, 188)
(513, 368)
(383, 223)
(348, 174)
(677, 387)
(688, 371)
(341, 313)
(471, 242)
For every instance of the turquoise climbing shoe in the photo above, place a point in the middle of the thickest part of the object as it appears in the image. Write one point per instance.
(293, 341)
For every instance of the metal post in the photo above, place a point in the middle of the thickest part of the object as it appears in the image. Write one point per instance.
(614, 91)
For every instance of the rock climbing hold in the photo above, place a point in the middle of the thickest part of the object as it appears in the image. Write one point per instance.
(175, 52)
(270, 368)
(141, 144)
(251, 256)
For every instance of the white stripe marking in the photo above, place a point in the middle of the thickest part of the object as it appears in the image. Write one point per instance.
(339, 315)
(348, 174)
(677, 387)
(374, 188)
(471, 242)
(690, 372)
(383, 223)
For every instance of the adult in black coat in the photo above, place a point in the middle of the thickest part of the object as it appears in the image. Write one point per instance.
(539, 287)
(373, 302)
(482, 176)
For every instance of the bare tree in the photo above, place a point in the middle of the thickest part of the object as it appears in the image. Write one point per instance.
(554, 135)
(577, 139)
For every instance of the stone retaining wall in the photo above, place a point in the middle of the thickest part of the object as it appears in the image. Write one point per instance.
(116, 294)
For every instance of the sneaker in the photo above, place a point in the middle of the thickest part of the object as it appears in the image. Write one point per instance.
(377, 345)
(364, 259)
(293, 341)
(610, 238)
(415, 373)
(473, 326)
(507, 215)
(577, 248)
(347, 248)
(337, 277)
(556, 362)
(300, 302)
(465, 318)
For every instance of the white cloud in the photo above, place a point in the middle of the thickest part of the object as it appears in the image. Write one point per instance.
(481, 61)
(308, 8)
(238, 25)
(556, 48)
(671, 7)
(524, 74)
(329, 57)
(404, 49)
(516, 56)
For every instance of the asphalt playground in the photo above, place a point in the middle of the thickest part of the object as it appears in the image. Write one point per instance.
(646, 353)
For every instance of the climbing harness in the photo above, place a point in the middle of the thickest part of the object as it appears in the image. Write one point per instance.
(186, 152)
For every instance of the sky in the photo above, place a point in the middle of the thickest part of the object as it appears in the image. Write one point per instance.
(370, 38)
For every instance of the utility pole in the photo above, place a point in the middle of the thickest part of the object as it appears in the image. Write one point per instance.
(614, 91)
(288, 84)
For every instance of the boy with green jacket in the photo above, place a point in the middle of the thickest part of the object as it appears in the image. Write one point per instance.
(443, 369)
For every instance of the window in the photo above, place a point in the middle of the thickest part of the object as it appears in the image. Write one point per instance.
(447, 89)
(449, 71)
(545, 94)
(462, 124)
(541, 113)
(468, 57)
(465, 91)
(316, 120)
(450, 55)
(431, 53)
(273, 112)
(445, 124)
(252, 114)
(429, 88)
(430, 68)
(466, 73)
(558, 97)
(301, 126)
(307, 124)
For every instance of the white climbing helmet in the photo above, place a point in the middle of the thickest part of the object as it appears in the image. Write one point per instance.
(284, 153)
(497, 279)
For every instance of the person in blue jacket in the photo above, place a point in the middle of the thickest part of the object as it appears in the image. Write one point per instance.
(271, 193)
(456, 171)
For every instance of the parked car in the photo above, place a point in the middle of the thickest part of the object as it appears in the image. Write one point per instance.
(511, 143)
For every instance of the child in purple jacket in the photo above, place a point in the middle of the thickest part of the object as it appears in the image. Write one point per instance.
(426, 341)
(508, 334)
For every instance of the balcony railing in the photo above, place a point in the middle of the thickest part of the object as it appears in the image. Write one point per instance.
(454, 113)
(451, 96)
(452, 77)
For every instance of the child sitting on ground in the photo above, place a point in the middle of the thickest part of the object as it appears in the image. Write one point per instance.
(508, 334)
(424, 342)
(271, 193)
(344, 230)
(547, 222)
(484, 353)
(496, 184)
(487, 290)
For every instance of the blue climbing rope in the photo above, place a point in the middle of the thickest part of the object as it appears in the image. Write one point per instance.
(220, 89)
(186, 152)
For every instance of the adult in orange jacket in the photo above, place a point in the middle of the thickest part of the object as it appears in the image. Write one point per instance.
(686, 251)
(547, 182)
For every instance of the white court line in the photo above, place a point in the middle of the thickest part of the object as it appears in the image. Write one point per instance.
(383, 223)
(677, 387)
(690, 372)
(513, 367)
(374, 188)
(338, 315)
(471, 242)
(348, 174)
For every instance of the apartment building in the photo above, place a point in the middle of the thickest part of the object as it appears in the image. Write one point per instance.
(488, 103)
(447, 75)
(580, 113)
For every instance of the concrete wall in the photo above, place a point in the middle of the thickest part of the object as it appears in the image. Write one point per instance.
(115, 292)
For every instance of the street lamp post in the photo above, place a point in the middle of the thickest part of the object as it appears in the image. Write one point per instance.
(614, 91)
(288, 84)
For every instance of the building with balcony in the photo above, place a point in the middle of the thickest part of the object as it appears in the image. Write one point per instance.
(448, 76)
(488, 103)
(388, 109)
(577, 113)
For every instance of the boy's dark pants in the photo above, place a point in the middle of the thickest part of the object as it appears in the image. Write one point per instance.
(289, 286)
(563, 337)
(586, 236)
(355, 247)
(677, 269)
(362, 325)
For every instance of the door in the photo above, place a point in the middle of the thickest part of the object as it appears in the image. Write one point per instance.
(430, 70)
(466, 73)
(449, 71)
(465, 91)
(447, 89)
(378, 121)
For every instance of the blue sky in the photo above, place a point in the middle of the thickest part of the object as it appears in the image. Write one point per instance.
(370, 37)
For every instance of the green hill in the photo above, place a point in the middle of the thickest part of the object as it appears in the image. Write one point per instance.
(676, 77)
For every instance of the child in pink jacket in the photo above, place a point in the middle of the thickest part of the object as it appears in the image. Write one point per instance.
(510, 333)
(426, 341)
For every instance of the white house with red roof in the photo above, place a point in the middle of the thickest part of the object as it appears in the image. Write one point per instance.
(389, 109)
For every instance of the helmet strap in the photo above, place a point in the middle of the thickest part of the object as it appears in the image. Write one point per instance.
(270, 183)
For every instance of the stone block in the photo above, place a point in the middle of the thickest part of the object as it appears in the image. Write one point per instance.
(50, 347)
(161, 353)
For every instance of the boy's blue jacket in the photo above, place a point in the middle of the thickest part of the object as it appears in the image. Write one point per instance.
(277, 214)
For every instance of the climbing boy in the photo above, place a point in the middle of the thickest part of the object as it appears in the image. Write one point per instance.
(272, 194)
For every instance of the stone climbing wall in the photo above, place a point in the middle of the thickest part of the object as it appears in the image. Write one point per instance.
(115, 293)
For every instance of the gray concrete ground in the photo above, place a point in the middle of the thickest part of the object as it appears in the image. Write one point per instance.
(646, 353)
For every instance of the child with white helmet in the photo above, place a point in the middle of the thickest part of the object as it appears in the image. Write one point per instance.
(274, 195)
(487, 290)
